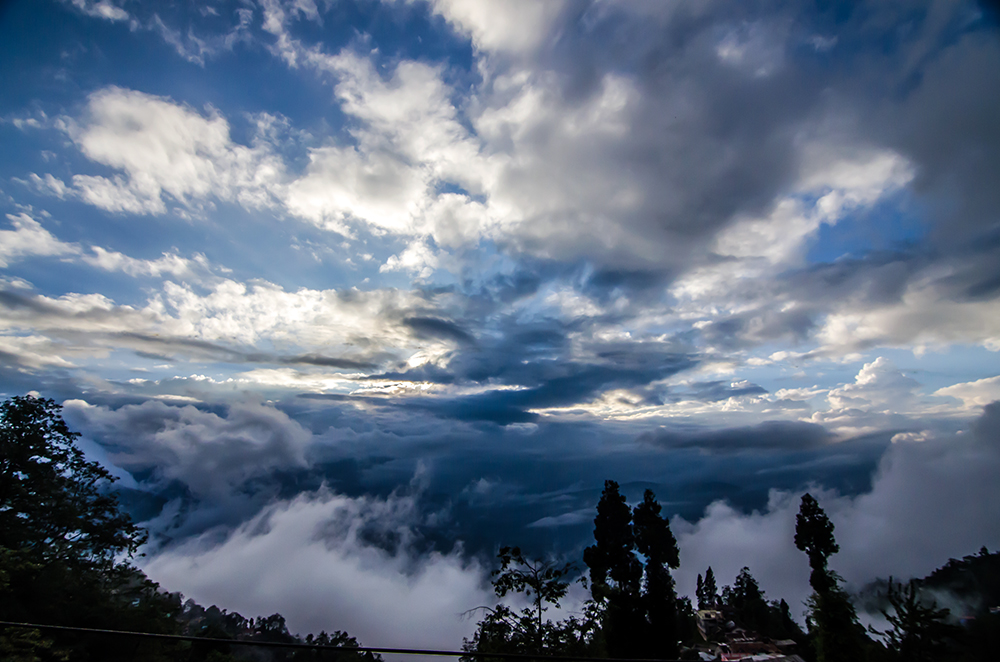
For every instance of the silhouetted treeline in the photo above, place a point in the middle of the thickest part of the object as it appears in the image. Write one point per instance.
(62, 541)
(634, 611)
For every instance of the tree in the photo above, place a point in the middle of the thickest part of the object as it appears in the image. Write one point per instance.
(64, 547)
(814, 536)
(640, 601)
(833, 620)
(612, 561)
(542, 581)
(708, 592)
(53, 502)
(504, 630)
(655, 541)
(747, 603)
(919, 629)
(616, 572)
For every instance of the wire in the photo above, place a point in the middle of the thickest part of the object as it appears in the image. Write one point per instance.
(352, 649)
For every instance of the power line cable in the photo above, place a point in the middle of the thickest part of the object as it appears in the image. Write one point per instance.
(352, 649)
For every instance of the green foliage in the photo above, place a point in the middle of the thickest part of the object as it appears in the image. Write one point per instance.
(53, 504)
(616, 573)
(655, 541)
(18, 645)
(833, 625)
(745, 603)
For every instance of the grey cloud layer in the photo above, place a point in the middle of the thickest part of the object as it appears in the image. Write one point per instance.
(929, 501)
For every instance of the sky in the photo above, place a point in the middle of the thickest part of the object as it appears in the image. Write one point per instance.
(348, 293)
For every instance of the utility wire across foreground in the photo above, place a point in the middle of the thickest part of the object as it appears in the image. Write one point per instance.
(320, 647)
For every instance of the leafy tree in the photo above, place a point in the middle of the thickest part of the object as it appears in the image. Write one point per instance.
(504, 630)
(340, 640)
(687, 624)
(62, 536)
(64, 545)
(542, 581)
(919, 629)
(53, 504)
(612, 561)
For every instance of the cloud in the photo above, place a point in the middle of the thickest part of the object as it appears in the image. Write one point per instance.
(342, 183)
(167, 153)
(438, 328)
(212, 455)
(29, 239)
(877, 384)
(929, 501)
(839, 182)
(329, 562)
(410, 141)
(170, 264)
(770, 435)
(498, 25)
(101, 9)
(974, 394)
(923, 317)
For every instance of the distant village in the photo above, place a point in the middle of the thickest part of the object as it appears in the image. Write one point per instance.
(726, 640)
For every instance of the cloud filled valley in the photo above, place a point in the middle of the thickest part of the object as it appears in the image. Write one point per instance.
(348, 294)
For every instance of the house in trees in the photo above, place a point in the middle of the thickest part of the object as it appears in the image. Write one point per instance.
(710, 623)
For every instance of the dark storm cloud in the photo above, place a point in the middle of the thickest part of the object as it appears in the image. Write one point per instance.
(716, 134)
(759, 325)
(579, 384)
(186, 346)
(708, 140)
(433, 327)
(536, 362)
(214, 351)
(713, 391)
(945, 120)
(327, 361)
(770, 435)
(876, 278)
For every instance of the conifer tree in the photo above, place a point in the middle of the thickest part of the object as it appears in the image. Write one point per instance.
(655, 541)
(640, 602)
(708, 597)
(833, 621)
(615, 572)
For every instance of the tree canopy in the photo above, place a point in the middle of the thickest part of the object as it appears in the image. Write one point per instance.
(545, 583)
(814, 536)
(65, 547)
(833, 620)
(53, 501)
(640, 608)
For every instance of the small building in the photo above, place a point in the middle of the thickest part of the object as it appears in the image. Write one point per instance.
(710, 622)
